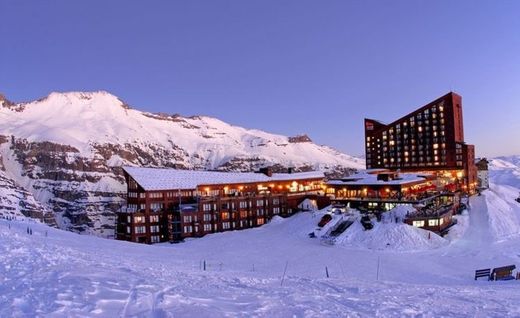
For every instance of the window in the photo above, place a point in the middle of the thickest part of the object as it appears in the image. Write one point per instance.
(206, 207)
(243, 214)
(260, 212)
(207, 227)
(132, 194)
(155, 239)
(128, 229)
(154, 218)
(225, 225)
(225, 215)
(155, 195)
(187, 219)
(188, 229)
(207, 217)
(433, 222)
(260, 221)
(140, 229)
(132, 184)
(142, 195)
(139, 219)
(276, 210)
(259, 202)
(154, 229)
(276, 201)
(156, 206)
(418, 223)
(129, 219)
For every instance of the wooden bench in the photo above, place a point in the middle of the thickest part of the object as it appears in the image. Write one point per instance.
(503, 273)
(483, 273)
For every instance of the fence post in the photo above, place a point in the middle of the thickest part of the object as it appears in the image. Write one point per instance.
(204, 265)
(327, 271)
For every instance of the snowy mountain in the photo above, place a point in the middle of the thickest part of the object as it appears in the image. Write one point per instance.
(67, 150)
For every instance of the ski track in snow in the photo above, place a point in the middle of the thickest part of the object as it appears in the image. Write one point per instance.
(65, 274)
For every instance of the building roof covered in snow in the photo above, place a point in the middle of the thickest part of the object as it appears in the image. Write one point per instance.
(371, 179)
(155, 179)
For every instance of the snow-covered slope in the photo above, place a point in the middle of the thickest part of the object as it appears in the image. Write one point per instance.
(505, 170)
(272, 271)
(67, 149)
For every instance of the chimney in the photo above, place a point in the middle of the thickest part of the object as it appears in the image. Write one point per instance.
(268, 171)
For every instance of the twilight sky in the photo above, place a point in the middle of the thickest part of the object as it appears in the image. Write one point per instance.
(289, 67)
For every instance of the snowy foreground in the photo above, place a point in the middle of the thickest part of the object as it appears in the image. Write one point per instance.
(65, 274)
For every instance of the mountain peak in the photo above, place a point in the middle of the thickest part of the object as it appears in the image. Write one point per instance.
(75, 95)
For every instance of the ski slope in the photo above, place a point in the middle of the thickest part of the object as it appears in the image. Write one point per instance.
(63, 274)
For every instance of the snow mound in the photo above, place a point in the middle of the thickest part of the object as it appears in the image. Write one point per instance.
(276, 220)
(386, 235)
(392, 236)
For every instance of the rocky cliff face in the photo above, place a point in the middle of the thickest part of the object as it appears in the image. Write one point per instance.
(67, 150)
(15, 201)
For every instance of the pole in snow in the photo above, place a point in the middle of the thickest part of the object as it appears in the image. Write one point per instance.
(284, 271)
(378, 262)
(327, 271)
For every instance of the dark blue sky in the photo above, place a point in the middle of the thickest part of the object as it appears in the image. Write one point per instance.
(289, 67)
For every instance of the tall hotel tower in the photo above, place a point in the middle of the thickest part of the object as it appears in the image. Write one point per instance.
(429, 139)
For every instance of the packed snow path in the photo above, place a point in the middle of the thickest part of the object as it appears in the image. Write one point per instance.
(64, 274)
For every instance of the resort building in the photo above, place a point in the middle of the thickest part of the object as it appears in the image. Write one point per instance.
(427, 140)
(170, 205)
(380, 190)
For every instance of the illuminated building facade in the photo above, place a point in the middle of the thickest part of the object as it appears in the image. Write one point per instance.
(170, 205)
(430, 138)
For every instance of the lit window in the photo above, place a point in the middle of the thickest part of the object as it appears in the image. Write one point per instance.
(418, 223)
(433, 222)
